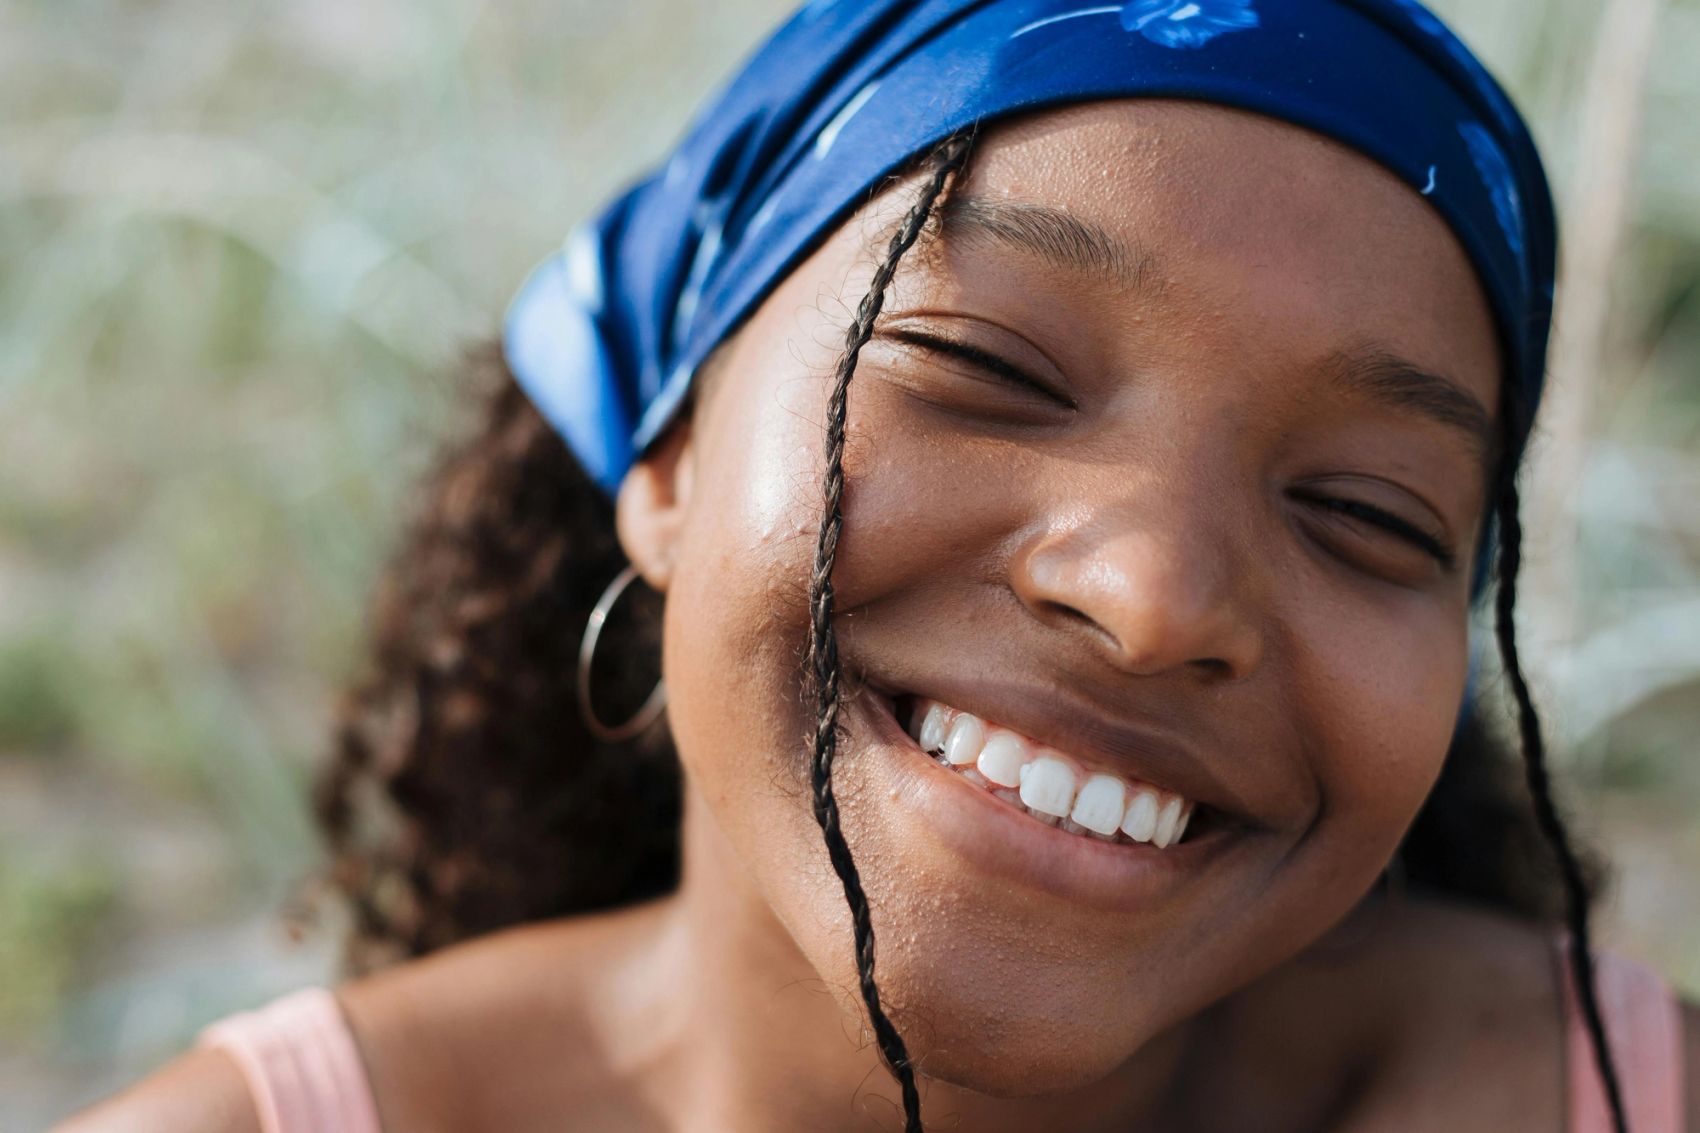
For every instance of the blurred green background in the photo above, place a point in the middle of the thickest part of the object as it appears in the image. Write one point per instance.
(241, 248)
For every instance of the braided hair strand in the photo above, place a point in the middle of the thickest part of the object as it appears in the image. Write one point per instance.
(947, 161)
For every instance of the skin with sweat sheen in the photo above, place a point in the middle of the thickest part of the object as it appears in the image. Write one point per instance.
(1183, 526)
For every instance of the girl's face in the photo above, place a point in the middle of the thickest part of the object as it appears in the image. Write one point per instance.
(1170, 455)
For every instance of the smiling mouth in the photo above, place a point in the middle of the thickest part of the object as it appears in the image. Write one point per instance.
(1048, 786)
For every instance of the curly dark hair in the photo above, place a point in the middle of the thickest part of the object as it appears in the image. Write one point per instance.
(465, 794)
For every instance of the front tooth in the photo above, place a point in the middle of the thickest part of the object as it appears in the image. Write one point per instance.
(1186, 817)
(932, 732)
(1099, 806)
(1048, 786)
(1167, 820)
(1002, 759)
(967, 737)
(1140, 822)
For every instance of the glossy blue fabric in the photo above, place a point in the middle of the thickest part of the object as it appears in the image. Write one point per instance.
(606, 335)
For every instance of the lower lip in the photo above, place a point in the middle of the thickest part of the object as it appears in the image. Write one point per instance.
(999, 839)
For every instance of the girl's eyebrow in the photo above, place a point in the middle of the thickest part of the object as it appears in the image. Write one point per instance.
(1059, 238)
(1073, 243)
(1400, 383)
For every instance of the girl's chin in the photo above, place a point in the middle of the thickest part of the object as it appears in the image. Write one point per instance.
(1017, 1072)
(1012, 1041)
(1012, 956)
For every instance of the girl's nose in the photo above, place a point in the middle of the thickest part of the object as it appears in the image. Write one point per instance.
(1159, 593)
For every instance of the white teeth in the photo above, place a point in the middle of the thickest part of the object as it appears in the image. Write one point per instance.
(1048, 786)
(1003, 757)
(1180, 827)
(1099, 805)
(1167, 821)
(1140, 822)
(931, 735)
(967, 737)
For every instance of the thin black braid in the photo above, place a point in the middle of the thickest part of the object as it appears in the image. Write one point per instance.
(1581, 954)
(823, 639)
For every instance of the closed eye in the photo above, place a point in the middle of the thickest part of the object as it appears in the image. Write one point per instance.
(1361, 512)
(983, 360)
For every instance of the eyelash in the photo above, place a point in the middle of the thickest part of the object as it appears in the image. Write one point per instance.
(1387, 521)
(983, 359)
(1352, 509)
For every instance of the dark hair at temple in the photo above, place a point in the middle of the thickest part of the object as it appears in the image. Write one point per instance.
(464, 793)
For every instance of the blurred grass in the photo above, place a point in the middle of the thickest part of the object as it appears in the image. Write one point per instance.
(46, 919)
(38, 703)
(241, 247)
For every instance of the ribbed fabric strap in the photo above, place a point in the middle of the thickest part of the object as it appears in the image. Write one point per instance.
(1644, 1026)
(302, 1066)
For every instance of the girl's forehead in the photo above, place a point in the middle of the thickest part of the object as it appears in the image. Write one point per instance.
(1197, 209)
(1161, 166)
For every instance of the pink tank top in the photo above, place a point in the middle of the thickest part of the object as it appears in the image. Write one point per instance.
(1644, 1026)
(302, 1066)
(305, 1073)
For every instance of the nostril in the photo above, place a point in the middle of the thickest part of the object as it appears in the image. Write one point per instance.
(1142, 601)
(1136, 650)
(1070, 613)
(1074, 615)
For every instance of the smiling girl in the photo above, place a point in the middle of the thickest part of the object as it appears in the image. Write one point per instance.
(1069, 440)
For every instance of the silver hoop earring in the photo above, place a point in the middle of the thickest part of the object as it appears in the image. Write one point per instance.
(652, 708)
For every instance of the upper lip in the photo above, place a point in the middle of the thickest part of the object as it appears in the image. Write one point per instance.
(1060, 719)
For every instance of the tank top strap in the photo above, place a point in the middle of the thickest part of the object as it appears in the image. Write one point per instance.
(1643, 1024)
(301, 1064)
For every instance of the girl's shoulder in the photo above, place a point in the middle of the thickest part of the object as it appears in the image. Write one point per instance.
(1475, 1025)
(493, 1033)
(500, 1031)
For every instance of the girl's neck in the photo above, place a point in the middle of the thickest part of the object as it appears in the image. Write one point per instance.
(754, 1040)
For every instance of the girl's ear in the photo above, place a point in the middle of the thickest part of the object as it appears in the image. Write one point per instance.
(649, 512)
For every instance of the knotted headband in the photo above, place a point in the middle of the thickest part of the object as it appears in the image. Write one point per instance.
(606, 335)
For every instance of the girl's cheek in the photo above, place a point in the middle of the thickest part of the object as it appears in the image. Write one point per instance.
(1389, 723)
(738, 605)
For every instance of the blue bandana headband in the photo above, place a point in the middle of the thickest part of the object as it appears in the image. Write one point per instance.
(606, 335)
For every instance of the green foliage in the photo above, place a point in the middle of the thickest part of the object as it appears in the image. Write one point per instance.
(38, 694)
(47, 918)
